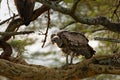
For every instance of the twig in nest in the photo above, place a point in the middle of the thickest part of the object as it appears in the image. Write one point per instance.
(16, 33)
(108, 39)
(48, 25)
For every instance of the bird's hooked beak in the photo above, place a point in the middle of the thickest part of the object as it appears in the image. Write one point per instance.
(56, 39)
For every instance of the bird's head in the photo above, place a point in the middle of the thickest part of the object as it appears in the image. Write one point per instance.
(56, 39)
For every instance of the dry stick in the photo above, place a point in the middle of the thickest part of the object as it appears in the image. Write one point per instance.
(16, 33)
(8, 19)
(108, 39)
(48, 25)
(70, 23)
(8, 7)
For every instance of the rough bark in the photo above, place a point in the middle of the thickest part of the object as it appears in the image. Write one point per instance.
(96, 65)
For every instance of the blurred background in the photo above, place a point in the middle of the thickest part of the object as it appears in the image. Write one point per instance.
(29, 47)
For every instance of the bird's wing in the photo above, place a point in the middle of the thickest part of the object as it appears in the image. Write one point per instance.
(25, 9)
(73, 38)
(28, 10)
(20, 6)
(76, 43)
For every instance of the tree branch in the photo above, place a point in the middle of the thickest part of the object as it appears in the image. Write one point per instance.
(91, 67)
(16, 23)
(12, 30)
(115, 27)
(16, 33)
(8, 19)
(108, 39)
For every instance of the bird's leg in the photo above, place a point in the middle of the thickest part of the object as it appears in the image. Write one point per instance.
(72, 56)
(67, 59)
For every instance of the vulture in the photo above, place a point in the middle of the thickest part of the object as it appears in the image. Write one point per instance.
(73, 44)
(25, 9)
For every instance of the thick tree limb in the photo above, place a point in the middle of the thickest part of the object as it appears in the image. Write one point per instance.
(7, 50)
(115, 27)
(94, 66)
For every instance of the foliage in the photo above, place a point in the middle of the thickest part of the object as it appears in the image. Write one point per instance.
(19, 45)
(68, 1)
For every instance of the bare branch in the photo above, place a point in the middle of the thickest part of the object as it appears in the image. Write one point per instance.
(108, 39)
(70, 23)
(7, 19)
(115, 27)
(74, 6)
(16, 33)
(48, 25)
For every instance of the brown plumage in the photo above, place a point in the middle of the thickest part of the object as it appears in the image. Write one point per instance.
(73, 43)
(25, 9)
